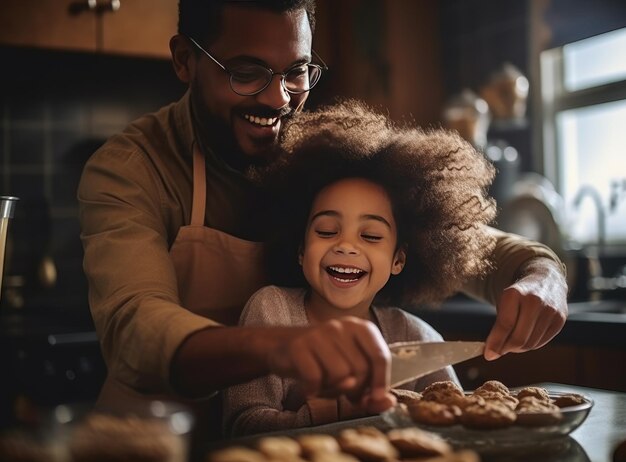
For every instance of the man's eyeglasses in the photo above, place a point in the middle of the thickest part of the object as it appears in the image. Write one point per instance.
(248, 79)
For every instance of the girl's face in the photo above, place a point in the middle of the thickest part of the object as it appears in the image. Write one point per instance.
(349, 247)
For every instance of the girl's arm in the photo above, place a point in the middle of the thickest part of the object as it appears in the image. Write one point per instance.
(259, 405)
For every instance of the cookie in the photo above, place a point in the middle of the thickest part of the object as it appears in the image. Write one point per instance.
(112, 438)
(367, 444)
(572, 399)
(332, 457)
(494, 396)
(279, 447)
(237, 454)
(406, 396)
(445, 387)
(533, 412)
(434, 413)
(536, 392)
(492, 386)
(490, 415)
(619, 454)
(315, 443)
(413, 442)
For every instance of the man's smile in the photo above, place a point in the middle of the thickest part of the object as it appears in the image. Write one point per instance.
(262, 121)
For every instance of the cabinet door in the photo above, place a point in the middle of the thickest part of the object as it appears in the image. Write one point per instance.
(140, 27)
(48, 24)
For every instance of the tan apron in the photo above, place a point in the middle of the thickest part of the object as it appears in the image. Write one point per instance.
(216, 272)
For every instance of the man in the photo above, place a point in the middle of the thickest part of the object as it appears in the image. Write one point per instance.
(171, 229)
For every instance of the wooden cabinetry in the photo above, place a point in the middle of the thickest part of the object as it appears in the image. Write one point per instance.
(596, 367)
(137, 27)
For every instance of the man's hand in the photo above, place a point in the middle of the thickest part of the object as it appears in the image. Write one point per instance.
(531, 311)
(342, 356)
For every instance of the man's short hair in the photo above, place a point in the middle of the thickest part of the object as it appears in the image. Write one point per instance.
(201, 19)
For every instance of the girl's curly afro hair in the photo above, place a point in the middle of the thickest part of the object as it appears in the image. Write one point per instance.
(436, 182)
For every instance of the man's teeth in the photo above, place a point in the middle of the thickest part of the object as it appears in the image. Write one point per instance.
(263, 121)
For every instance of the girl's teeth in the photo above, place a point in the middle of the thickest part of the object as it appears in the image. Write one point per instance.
(345, 270)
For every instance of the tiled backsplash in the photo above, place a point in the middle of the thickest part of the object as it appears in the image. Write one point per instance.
(56, 109)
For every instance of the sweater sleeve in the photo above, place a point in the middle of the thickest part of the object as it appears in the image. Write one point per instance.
(133, 291)
(258, 406)
(510, 255)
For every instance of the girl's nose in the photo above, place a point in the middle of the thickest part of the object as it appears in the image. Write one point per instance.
(346, 248)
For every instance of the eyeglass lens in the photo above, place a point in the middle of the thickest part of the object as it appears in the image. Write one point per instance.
(251, 79)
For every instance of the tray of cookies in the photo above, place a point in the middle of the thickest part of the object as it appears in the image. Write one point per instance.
(492, 415)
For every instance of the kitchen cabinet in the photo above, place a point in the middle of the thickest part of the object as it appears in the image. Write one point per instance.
(597, 367)
(129, 27)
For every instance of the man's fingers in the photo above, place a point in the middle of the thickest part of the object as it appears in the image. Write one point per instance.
(555, 327)
(508, 312)
(307, 369)
(379, 358)
(335, 365)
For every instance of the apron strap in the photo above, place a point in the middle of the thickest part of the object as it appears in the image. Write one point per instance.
(198, 207)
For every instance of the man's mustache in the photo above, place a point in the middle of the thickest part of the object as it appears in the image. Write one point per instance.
(268, 113)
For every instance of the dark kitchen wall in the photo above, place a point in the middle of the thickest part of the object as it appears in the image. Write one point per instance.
(56, 109)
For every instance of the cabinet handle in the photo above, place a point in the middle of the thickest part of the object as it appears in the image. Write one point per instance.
(110, 5)
(83, 5)
(78, 7)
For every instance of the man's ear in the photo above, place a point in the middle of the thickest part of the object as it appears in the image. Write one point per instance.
(183, 57)
(399, 260)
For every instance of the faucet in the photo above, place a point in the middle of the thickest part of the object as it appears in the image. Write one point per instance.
(593, 194)
(593, 259)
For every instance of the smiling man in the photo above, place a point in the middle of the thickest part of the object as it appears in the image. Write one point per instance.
(172, 228)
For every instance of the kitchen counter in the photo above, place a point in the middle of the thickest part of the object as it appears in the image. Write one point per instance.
(593, 441)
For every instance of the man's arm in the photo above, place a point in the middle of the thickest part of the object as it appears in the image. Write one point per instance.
(342, 356)
(529, 289)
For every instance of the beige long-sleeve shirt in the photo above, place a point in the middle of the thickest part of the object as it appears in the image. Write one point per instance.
(134, 195)
(272, 403)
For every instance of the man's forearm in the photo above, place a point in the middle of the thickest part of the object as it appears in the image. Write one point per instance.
(217, 357)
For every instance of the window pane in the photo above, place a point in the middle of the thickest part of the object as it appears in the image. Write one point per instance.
(595, 61)
(592, 152)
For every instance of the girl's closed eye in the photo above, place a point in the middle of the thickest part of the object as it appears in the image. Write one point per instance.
(325, 232)
(371, 237)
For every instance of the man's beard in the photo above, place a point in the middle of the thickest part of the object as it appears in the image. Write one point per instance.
(217, 134)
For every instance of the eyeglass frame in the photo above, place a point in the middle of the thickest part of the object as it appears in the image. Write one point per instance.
(322, 67)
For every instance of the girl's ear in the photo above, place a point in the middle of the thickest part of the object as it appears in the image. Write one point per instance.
(399, 260)
(300, 255)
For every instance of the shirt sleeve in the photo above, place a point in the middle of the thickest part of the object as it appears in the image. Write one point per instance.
(133, 292)
(257, 406)
(511, 253)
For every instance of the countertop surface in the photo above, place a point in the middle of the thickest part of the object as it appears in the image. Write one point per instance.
(594, 441)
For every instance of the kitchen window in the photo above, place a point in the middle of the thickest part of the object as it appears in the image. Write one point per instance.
(583, 90)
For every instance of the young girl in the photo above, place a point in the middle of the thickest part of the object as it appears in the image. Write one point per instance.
(367, 215)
